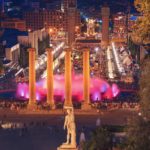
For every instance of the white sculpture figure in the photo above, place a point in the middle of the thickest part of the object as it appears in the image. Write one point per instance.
(98, 122)
(69, 124)
(82, 137)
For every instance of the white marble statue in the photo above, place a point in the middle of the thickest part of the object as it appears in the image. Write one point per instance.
(82, 137)
(69, 124)
(98, 122)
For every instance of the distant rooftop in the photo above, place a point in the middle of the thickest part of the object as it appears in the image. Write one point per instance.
(10, 36)
(88, 41)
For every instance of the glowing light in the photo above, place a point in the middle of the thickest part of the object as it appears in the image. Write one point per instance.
(117, 59)
(96, 49)
(37, 96)
(56, 64)
(43, 58)
(115, 90)
(99, 89)
(110, 64)
(22, 93)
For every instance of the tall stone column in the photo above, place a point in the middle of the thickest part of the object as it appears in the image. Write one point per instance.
(105, 11)
(71, 23)
(50, 78)
(32, 78)
(68, 78)
(86, 78)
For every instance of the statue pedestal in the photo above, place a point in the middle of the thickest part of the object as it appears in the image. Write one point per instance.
(69, 123)
(67, 147)
(60, 148)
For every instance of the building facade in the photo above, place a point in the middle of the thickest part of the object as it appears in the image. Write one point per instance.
(14, 24)
(71, 24)
(105, 12)
(38, 19)
(66, 3)
(12, 53)
(33, 39)
(122, 24)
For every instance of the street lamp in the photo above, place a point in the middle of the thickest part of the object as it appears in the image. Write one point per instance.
(96, 49)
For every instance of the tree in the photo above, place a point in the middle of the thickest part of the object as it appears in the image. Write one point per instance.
(134, 49)
(145, 87)
(138, 134)
(100, 140)
(1, 67)
(138, 131)
(141, 30)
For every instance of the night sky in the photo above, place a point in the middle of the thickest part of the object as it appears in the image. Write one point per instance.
(84, 3)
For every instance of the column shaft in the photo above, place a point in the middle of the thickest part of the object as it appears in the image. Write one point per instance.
(86, 76)
(68, 78)
(105, 11)
(32, 77)
(50, 78)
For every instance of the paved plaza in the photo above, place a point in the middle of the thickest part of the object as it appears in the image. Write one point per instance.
(45, 130)
(113, 117)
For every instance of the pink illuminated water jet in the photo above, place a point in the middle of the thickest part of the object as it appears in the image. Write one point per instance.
(99, 89)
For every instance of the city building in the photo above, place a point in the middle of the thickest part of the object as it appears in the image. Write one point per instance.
(71, 23)
(13, 23)
(52, 18)
(33, 39)
(66, 3)
(10, 47)
(53, 5)
(12, 52)
(67, 8)
(122, 24)
(14, 44)
(44, 18)
(105, 12)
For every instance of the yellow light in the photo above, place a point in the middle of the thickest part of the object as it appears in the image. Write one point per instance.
(50, 30)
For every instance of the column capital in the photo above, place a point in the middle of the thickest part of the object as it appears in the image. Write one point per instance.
(85, 49)
(68, 49)
(105, 11)
(31, 49)
(49, 49)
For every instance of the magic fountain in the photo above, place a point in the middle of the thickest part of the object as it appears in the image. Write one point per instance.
(99, 89)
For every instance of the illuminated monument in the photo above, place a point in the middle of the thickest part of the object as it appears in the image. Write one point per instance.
(105, 11)
(32, 78)
(71, 22)
(50, 78)
(83, 87)
(86, 78)
(90, 27)
(69, 124)
(68, 78)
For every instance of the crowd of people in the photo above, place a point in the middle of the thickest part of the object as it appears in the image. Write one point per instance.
(129, 86)
(103, 105)
(18, 105)
(116, 105)
(12, 105)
